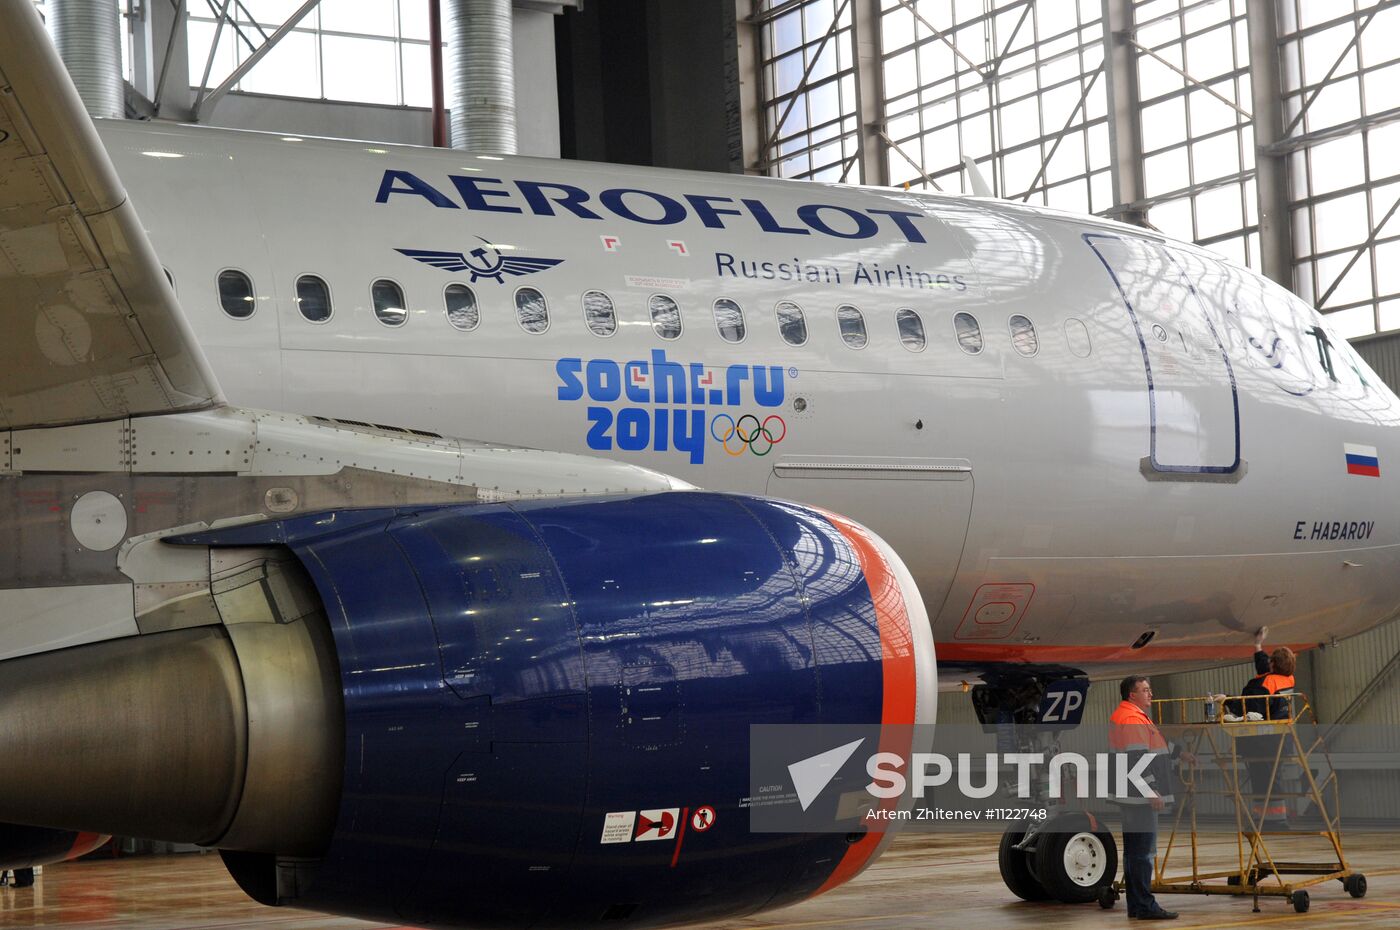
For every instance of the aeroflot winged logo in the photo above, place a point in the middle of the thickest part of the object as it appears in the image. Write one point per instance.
(484, 261)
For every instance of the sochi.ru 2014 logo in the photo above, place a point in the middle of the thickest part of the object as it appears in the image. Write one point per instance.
(748, 433)
(487, 262)
(660, 405)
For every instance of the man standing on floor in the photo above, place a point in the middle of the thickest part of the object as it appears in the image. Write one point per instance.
(1133, 734)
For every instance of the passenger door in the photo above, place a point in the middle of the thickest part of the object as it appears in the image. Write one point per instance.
(1191, 390)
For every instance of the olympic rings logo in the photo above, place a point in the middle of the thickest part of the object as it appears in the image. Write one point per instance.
(748, 433)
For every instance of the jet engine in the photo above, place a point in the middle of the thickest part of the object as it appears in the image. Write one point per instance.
(487, 715)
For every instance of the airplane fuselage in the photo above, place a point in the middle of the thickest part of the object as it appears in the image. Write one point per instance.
(1080, 437)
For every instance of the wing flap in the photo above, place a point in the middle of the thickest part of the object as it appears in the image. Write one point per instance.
(89, 326)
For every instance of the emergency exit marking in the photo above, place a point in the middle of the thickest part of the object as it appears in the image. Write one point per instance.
(617, 827)
(702, 819)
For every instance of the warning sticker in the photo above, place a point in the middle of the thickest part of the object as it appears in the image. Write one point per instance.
(617, 827)
(657, 825)
(702, 819)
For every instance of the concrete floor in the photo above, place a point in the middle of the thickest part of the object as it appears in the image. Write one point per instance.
(926, 880)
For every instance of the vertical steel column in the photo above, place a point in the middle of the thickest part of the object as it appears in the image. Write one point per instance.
(482, 57)
(435, 66)
(870, 91)
(749, 56)
(1124, 112)
(1266, 78)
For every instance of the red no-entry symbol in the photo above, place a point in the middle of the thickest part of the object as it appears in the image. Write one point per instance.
(702, 819)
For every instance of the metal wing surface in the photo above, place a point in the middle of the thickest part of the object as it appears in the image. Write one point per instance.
(90, 328)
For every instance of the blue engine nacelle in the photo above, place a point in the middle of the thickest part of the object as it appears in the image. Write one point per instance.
(540, 698)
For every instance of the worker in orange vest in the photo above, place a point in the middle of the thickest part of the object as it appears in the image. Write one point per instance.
(1262, 702)
(1131, 735)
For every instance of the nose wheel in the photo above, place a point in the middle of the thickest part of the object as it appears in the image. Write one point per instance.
(1066, 859)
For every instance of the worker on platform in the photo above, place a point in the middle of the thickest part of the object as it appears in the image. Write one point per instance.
(1265, 699)
(1273, 677)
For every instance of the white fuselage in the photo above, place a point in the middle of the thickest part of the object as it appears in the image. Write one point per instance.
(1165, 453)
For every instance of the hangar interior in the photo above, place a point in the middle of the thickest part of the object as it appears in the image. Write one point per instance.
(1265, 130)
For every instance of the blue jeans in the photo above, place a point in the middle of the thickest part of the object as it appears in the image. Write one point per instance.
(1139, 848)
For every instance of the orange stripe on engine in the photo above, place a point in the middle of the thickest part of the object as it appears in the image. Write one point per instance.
(85, 843)
(900, 683)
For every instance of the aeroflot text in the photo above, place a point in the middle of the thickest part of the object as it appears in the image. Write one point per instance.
(547, 198)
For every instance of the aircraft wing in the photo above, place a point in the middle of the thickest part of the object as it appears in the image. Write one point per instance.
(89, 326)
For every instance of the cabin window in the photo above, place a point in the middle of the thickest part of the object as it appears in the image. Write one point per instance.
(313, 298)
(852, 326)
(911, 329)
(1077, 335)
(729, 320)
(389, 305)
(236, 294)
(791, 323)
(1023, 337)
(969, 333)
(599, 314)
(665, 316)
(531, 311)
(462, 311)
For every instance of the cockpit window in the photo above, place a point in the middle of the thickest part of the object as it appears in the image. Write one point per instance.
(389, 306)
(791, 323)
(236, 294)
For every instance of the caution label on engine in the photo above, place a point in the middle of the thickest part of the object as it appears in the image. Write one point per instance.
(617, 827)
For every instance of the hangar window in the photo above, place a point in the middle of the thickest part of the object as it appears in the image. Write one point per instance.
(729, 319)
(665, 316)
(911, 329)
(389, 306)
(531, 310)
(968, 332)
(1023, 337)
(599, 314)
(852, 326)
(791, 323)
(236, 294)
(462, 311)
(313, 298)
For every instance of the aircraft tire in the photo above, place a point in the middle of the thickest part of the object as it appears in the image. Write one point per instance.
(1073, 866)
(1015, 868)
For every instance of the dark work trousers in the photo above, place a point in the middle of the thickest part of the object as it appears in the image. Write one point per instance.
(1139, 848)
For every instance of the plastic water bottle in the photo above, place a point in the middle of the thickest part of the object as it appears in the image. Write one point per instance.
(1210, 710)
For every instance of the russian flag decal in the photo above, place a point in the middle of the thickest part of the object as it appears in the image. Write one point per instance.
(1362, 460)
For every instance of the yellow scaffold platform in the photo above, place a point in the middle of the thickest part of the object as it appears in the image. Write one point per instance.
(1264, 745)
